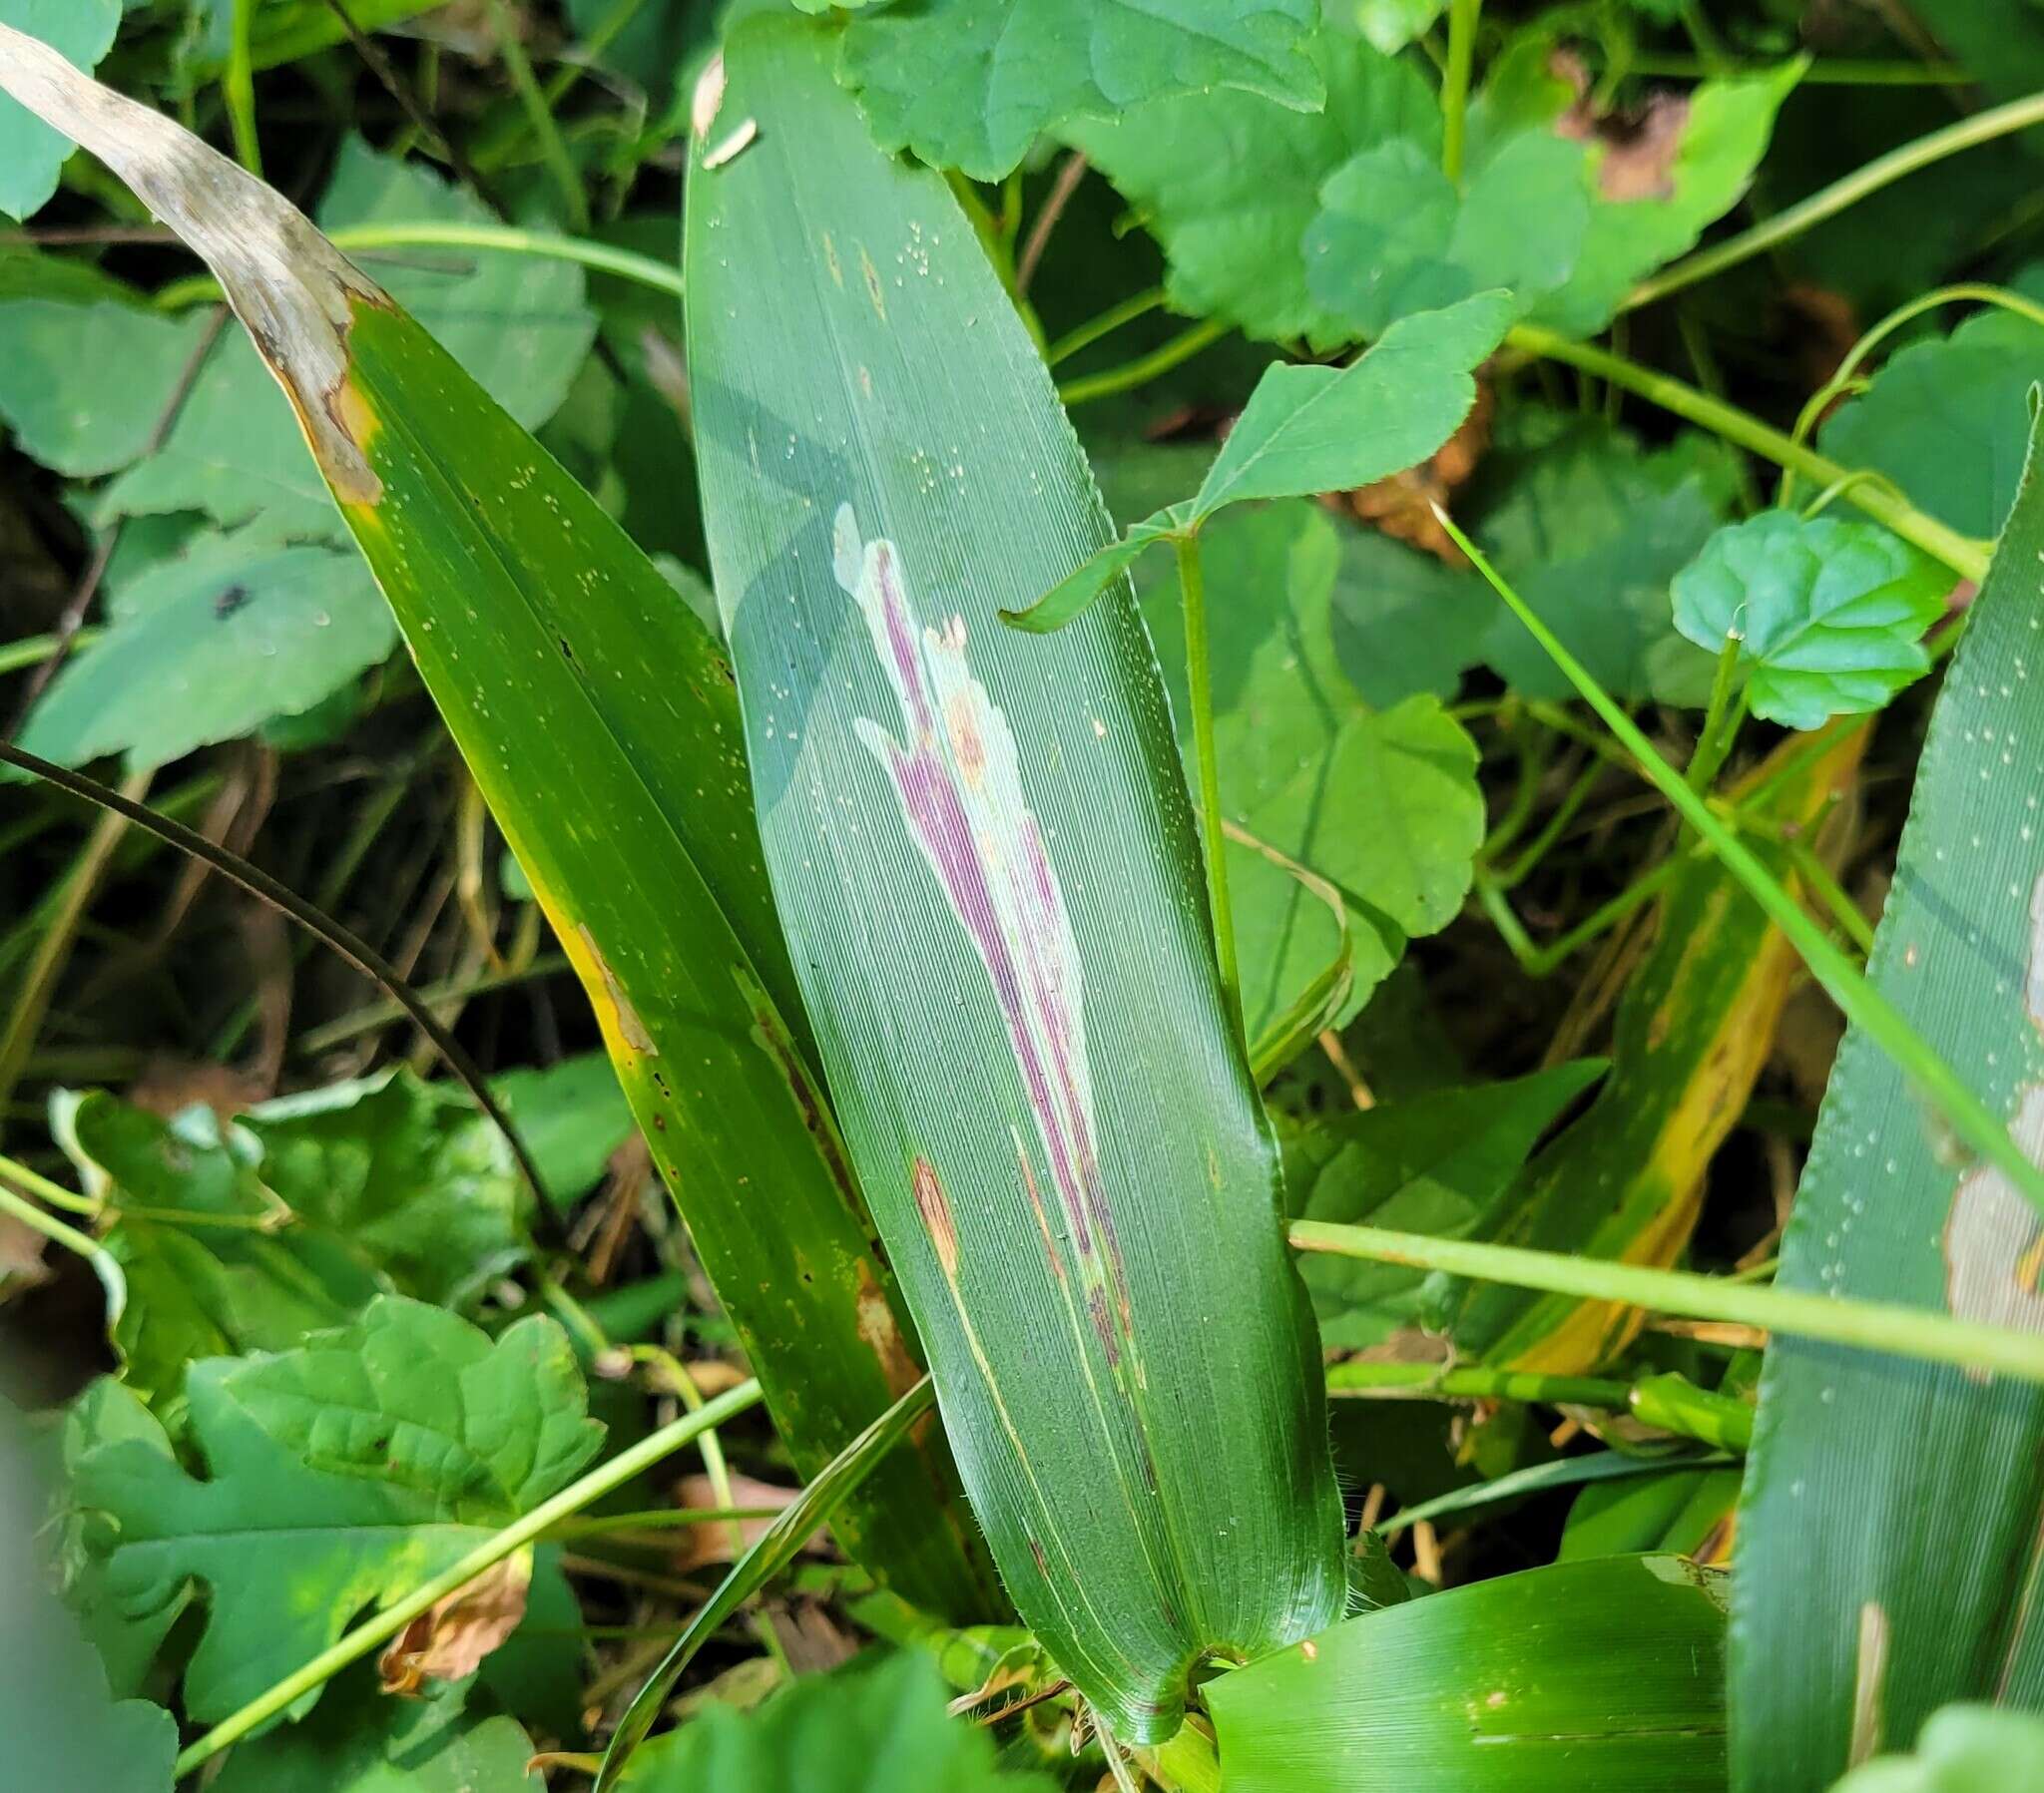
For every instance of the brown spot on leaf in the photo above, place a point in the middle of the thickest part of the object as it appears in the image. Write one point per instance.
(1640, 141)
(873, 288)
(968, 747)
(1103, 1324)
(883, 1333)
(935, 1209)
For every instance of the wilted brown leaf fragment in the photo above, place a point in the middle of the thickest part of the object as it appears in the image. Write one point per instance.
(449, 1641)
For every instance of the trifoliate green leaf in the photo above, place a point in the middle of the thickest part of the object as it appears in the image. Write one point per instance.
(1228, 182)
(970, 84)
(338, 1476)
(209, 646)
(1436, 1163)
(1395, 235)
(31, 153)
(865, 1729)
(1830, 614)
(1948, 420)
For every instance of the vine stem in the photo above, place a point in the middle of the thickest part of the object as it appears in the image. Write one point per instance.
(1861, 1000)
(1721, 719)
(58, 1232)
(422, 1598)
(1869, 1325)
(1961, 553)
(548, 244)
(1199, 680)
(1828, 202)
(1182, 347)
(1462, 16)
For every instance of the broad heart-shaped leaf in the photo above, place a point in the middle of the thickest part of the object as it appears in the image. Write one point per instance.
(1395, 235)
(337, 1477)
(1230, 182)
(1961, 1749)
(1949, 418)
(360, 1740)
(518, 324)
(1695, 1028)
(1581, 1675)
(870, 1728)
(572, 1116)
(234, 632)
(87, 413)
(519, 597)
(410, 1174)
(1434, 1163)
(1830, 614)
(970, 84)
(1591, 527)
(1841, 1497)
(1315, 429)
(1382, 804)
(31, 153)
(195, 1290)
(983, 852)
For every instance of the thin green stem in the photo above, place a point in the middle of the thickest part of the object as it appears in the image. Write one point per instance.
(1462, 16)
(1817, 880)
(1566, 1471)
(1720, 719)
(58, 1232)
(1828, 202)
(1834, 71)
(552, 151)
(33, 650)
(1144, 368)
(393, 1618)
(642, 270)
(1868, 1325)
(1861, 1002)
(367, 1020)
(1199, 680)
(1540, 961)
(1966, 558)
(1578, 793)
(43, 1189)
(1474, 1382)
(1083, 335)
(238, 87)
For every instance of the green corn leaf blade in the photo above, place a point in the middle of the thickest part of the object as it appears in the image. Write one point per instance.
(1230, 182)
(971, 84)
(1944, 417)
(1395, 235)
(1314, 429)
(1961, 1749)
(1695, 1028)
(1842, 1642)
(1830, 614)
(1435, 1164)
(31, 153)
(523, 602)
(1603, 1677)
(338, 1475)
(1326, 429)
(983, 851)
(234, 632)
(868, 1728)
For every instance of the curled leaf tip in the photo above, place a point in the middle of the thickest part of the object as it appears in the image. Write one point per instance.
(292, 288)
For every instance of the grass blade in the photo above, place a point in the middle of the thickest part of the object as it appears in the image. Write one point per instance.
(983, 851)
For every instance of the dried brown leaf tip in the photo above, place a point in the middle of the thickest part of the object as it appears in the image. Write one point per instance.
(1404, 505)
(449, 1641)
(1639, 143)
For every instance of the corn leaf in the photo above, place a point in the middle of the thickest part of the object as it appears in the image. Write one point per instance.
(1604, 1677)
(601, 726)
(1867, 1469)
(983, 851)
(1696, 1025)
